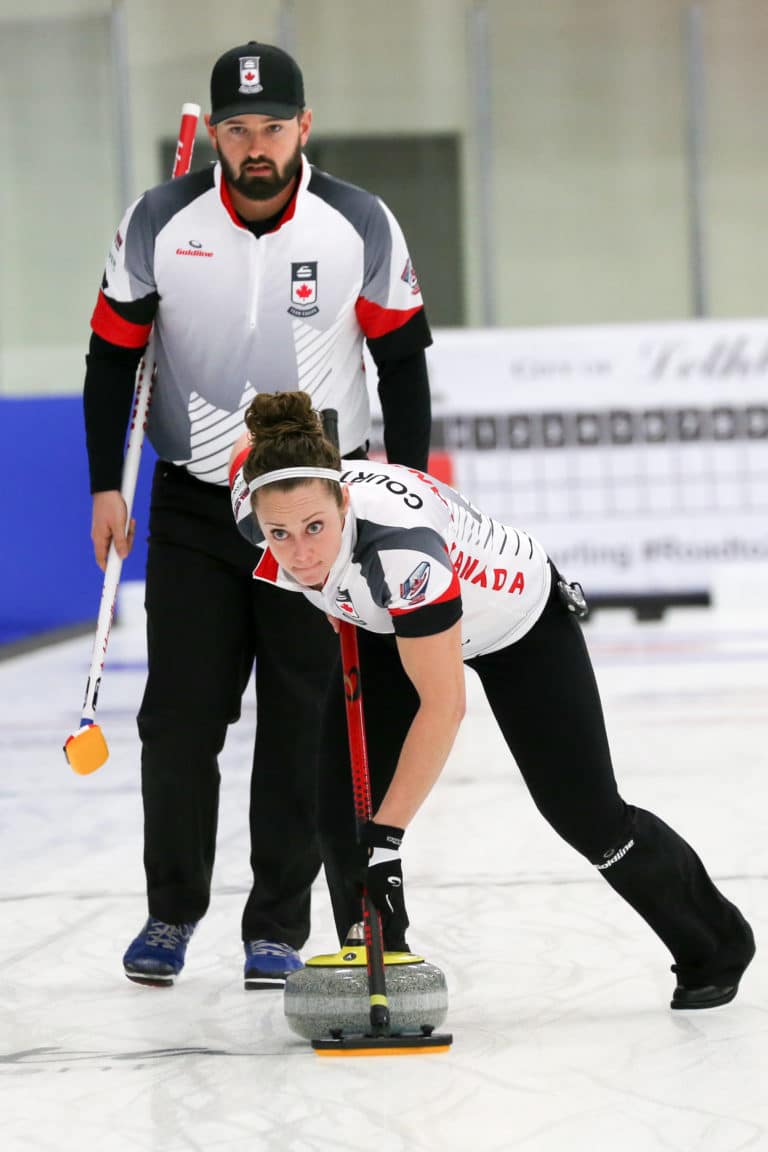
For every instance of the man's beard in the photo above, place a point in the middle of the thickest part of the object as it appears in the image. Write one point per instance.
(261, 187)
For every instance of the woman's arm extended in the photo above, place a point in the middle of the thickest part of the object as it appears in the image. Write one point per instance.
(436, 669)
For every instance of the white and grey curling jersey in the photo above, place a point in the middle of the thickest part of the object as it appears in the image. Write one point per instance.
(235, 314)
(410, 543)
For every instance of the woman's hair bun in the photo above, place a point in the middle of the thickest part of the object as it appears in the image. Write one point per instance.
(281, 413)
(286, 432)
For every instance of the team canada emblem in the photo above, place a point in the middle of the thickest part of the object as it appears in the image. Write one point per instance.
(250, 82)
(304, 289)
(414, 588)
(346, 607)
(409, 277)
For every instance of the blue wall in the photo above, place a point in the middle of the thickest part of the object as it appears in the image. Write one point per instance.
(48, 576)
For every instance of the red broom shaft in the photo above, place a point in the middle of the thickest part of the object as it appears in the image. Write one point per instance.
(361, 786)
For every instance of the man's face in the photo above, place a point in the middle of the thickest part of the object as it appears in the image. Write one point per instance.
(260, 155)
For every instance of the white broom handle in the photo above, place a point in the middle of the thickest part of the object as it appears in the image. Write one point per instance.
(190, 114)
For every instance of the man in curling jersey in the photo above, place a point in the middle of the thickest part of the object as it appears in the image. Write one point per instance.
(258, 273)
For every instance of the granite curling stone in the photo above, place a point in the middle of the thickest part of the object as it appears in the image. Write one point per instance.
(329, 996)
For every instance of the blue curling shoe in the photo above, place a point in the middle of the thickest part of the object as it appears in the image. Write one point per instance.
(157, 954)
(267, 964)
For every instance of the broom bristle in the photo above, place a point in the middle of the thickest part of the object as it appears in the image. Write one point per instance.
(86, 750)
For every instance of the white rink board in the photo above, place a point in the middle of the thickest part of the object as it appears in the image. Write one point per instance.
(638, 454)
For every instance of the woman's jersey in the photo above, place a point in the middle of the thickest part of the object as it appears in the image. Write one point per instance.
(411, 543)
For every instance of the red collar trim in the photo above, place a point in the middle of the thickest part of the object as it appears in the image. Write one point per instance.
(267, 567)
(237, 464)
(290, 208)
(288, 214)
(226, 200)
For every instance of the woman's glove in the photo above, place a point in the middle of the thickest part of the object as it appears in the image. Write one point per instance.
(381, 872)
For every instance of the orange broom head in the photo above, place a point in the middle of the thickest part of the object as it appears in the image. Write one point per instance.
(86, 750)
(404, 1044)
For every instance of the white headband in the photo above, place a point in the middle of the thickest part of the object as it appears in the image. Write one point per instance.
(302, 473)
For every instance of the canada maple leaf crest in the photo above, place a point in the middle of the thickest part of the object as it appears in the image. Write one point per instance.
(304, 287)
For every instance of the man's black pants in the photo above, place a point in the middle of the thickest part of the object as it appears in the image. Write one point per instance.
(207, 619)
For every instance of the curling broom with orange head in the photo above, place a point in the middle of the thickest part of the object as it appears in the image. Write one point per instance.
(86, 749)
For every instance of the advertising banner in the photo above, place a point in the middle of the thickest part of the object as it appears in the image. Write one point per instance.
(638, 454)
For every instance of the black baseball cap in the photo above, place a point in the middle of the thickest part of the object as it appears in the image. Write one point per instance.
(256, 79)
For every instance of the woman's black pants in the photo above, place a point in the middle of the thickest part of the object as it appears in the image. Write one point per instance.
(544, 696)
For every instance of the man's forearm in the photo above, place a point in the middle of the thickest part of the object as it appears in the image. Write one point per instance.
(107, 398)
(407, 410)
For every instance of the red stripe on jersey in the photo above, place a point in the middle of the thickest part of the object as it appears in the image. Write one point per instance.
(267, 567)
(237, 464)
(377, 321)
(452, 592)
(106, 323)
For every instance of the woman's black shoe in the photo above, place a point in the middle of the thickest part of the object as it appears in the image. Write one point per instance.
(715, 987)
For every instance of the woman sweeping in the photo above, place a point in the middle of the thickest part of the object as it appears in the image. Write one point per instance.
(432, 584)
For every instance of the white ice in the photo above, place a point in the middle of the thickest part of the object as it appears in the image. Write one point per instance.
(563, 1037)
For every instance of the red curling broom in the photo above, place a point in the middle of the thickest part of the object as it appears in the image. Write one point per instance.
(379, 1039)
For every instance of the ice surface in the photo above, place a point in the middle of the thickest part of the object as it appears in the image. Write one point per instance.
(563, 1039)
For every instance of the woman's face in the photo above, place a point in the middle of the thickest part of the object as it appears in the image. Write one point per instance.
(302, 528)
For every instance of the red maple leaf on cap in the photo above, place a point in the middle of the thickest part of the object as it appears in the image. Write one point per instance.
(250, 75)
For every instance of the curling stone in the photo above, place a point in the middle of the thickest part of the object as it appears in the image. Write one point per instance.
(329, 996)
